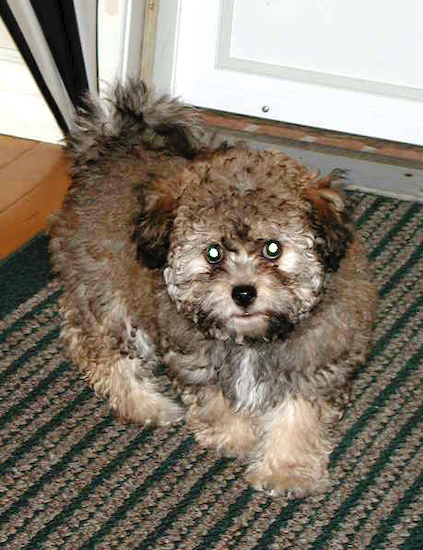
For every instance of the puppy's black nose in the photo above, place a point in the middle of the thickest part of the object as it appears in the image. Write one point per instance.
(244, 295)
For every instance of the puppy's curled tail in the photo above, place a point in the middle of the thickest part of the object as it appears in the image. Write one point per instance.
(132, 115)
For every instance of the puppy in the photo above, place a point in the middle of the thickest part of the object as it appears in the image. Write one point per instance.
(237, 270)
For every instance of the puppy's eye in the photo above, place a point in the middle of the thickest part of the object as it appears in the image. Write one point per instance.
(214, 253)
(272, 249)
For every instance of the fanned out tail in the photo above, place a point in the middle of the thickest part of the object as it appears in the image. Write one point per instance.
(132, 115)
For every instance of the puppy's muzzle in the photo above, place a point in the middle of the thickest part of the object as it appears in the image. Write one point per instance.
(244, 295)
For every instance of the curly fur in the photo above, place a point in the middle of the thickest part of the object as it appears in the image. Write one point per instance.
(261, 348)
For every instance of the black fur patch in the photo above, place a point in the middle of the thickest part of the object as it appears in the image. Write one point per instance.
(177, 140)
(333, 235)
(152, 236)
(280, 326)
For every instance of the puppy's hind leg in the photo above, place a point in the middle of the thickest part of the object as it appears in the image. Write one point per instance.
(122, 370)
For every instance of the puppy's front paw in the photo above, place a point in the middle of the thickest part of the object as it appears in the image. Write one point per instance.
(216, 425)
(294, 451)
(288, 479)
(232, 439)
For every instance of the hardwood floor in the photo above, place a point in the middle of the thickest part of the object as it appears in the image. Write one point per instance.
(33, 182)
(33, 177)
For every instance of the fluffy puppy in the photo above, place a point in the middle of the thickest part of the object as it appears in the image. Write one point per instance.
(235, 269)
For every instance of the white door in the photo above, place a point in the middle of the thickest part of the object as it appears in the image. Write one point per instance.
(351, 66)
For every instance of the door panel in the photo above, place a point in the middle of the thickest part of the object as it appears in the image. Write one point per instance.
(350, 67)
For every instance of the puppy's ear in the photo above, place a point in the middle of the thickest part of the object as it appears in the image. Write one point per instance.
(328, 218)
(152, 230)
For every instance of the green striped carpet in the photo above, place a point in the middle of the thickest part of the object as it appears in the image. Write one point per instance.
(72, 477)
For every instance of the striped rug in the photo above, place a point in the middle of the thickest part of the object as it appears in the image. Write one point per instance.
(73, 477)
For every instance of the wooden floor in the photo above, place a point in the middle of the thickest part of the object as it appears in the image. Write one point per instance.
(33, 181)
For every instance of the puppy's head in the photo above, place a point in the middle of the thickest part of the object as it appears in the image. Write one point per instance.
(251, 240)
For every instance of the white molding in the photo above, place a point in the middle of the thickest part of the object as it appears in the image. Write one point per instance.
(130, 65)
(151, 11)
(166, 46)
(86, 17)
(109, 45)
(119, 41)
(226, 61)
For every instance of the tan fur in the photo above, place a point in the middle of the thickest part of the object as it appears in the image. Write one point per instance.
(124, 381)
(217, 425)
(294, 452)
(262, 348)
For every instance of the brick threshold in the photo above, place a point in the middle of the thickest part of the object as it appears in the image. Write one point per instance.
(317, 139)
